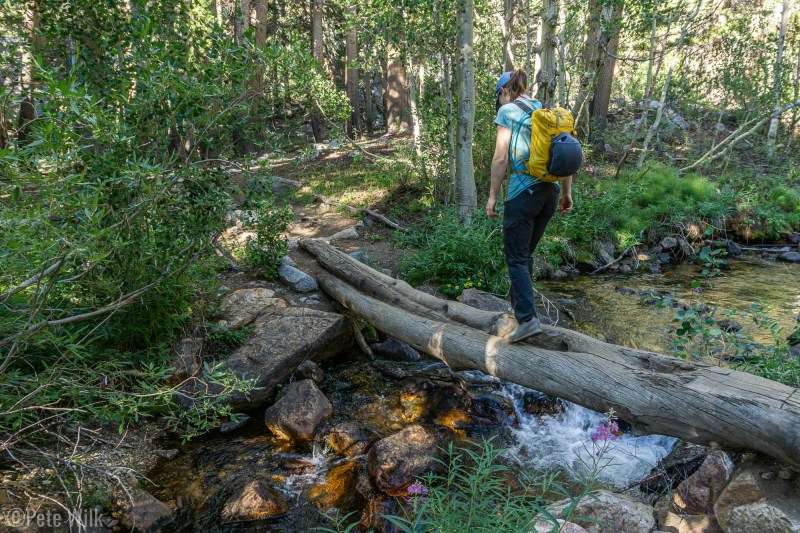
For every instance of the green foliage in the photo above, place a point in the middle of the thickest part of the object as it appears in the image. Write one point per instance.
(450, 253)
(269, 245)
(223, 341)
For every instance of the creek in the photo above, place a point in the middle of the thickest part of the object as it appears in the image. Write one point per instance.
(386, 397)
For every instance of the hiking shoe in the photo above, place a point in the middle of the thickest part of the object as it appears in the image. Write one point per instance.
(526, 329)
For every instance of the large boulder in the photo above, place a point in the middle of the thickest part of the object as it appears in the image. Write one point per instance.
(609, 513)
(256, 501)
(790, 257)
(396, 462)
(142, 512)
(243, 306)
(280, 341)
(295, 278)
(756, 499)
(485, 301)
(298, 412)
(348, 438)
(546, 526)
(697, 493)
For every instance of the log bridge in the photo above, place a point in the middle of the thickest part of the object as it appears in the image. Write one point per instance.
(654, 393)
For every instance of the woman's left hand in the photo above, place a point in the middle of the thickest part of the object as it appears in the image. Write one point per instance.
(565, 203)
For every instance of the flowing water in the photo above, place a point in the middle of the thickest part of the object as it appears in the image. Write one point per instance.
(614, 308)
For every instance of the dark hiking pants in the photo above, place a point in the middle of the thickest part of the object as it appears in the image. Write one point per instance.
(524, 221)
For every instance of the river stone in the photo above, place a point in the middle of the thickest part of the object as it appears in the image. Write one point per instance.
(563, 527)
(485, 301)
(395, 350)
(309, 370)
(753, 501)
(280, 340)
(297, 413)
(141, 511)
(790, 257)
(733, 248)
(349, 233)
(295, 278)
(360, 256)
(256, 501)
(233, 425)
(684, 459)
(339, 487)
(612, 513)
(668, 243)
(729, 325)
(241, 307)
(538, 403)
(188, 358)
(397, 461)
(679, 523)
(348, 438)
(696, 495)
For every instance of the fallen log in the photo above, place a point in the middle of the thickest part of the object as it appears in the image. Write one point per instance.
(369, 212)
(699, 403)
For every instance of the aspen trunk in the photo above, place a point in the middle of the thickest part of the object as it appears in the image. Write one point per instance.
(608, 41)
(352, 75)
(316, 51)
(417, 75)
(506, 28)
(676, 58)
(699, 403)
(467, 194)
(546, 77)
(27, 108)
(772, 133)
(369, 112)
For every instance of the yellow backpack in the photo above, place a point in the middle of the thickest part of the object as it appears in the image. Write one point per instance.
(555, 153)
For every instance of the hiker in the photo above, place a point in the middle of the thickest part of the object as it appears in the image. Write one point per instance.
(529, 204)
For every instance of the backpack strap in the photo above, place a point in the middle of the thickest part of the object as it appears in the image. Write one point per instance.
(522, 105)
(515, 132)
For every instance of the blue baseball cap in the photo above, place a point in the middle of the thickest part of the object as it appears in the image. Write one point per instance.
(501, 83)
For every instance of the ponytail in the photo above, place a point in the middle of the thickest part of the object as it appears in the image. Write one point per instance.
(517, 84)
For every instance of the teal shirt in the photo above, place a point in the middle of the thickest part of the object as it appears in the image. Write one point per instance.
(508, 117)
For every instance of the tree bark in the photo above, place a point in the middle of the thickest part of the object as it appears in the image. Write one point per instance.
(608, 41)
(352, 75)
(695, 402)
(398, 115)
(506, 28)
(261, 22)
(316, 51)
(369, 112)
(241, 20)
(27, 108)
(417, 77)
(772, 133)
(793, 127)
(546, 77)
(467, 193)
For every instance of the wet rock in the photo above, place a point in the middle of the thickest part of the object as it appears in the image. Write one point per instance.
(297, 413)
(142, 512)
(288, 261)
(295, 278)
(360, 256)
(587, 263)
(625, 269)
(790, 257)
(231, 425)
(696, 495)
(670, 471)
(752, 503)
(349, 233)
(309, 370)
(625, 290)
(462, 410)
(281, 340)
(733, 249)
(395, 350)
(188, 358)
(338, 490)
(485, 301)
(397, 461)
(729, 325)
(673, 522)
(668, 243)
(664, 258)
(255, 501)
(166, 454)
(611, 513)
(348, 438)
(654, 268)
(243, 306)
(537, 403)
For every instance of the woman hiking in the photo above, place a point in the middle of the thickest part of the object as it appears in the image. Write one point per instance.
(530, 203)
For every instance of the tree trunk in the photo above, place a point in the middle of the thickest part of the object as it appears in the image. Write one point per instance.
(398, 116)
(528, 39)
(676, 58)
(562, 53)
(417, 75)
(27, 108)
(351, 74)
(261, 23)
(506, 28)
(452, 179)
(608, 41)
(547, 76)
(368, 104)
(793, 128)
(772, 133)
(216, 10)
(699, 403)
(241, 20)
(316, 51)
(467, 194)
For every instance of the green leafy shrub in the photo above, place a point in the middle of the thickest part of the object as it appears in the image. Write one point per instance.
(268, 247)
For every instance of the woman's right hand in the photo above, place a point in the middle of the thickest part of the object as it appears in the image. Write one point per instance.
(490, 204)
